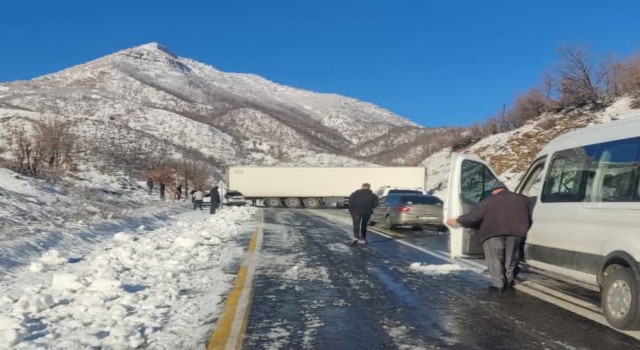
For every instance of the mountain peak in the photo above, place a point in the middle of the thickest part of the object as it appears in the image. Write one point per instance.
(152, 47)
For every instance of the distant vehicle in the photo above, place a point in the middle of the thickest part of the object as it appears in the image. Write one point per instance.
(388, 190)
(586, 194)
(234, 198)
(313, 187)
(408, 209)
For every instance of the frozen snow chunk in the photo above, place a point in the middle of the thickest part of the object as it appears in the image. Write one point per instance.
(32, 303)
(106, 285)
(66, 281)
(123, 237)
(7, 300)
(442, 269)
(36, 266)
(186, 242)
(53, 257)
(11, 331)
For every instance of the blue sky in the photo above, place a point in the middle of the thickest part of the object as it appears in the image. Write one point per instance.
(434, 62)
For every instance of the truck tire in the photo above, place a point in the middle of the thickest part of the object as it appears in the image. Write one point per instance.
(292, 202)
(273, 202)
(620, 299)
(312, 203)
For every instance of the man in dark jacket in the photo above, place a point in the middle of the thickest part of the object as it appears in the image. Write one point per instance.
(215, 199)
(361, 204)
(504, 218)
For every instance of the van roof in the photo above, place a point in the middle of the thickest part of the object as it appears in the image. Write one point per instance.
(628, 126)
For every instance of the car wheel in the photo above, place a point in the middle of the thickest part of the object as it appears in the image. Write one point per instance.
(387, 223)
(620, 299)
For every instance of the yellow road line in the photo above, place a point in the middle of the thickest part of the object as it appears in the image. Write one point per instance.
(232, 324)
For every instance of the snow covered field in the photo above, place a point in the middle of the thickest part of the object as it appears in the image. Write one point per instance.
(161, 288)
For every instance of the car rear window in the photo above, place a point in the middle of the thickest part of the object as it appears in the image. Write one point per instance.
(234, 193)
(422, 200)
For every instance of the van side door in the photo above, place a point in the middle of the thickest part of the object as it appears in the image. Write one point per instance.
(470, 180)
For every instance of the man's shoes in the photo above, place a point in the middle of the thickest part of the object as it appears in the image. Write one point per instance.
(362, 241)
(354, 241)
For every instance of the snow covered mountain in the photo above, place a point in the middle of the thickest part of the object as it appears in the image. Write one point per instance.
(147, 92)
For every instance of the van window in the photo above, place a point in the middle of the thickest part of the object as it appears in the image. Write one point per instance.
(476, 181)
(534, 180)
(570, 175)
(617, 171)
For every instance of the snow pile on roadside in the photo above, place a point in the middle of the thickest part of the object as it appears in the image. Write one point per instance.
(442, 269)
(159, 289)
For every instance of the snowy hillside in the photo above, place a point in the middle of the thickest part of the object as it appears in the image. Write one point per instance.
(510, 153)
(233, 118)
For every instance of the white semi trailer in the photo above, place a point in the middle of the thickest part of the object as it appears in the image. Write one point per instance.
(313, 187)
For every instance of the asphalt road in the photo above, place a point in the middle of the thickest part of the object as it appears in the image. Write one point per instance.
(314, 291)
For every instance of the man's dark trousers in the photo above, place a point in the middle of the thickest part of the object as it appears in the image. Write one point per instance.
(360, 223)
(502, 255)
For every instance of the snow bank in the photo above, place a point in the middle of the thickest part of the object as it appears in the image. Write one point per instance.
(443, 269)
(159, 289)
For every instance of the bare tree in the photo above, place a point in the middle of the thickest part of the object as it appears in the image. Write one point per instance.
(57, 140)
(26, 151)
(581, 78)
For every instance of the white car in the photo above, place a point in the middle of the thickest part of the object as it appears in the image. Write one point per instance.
(234, 198)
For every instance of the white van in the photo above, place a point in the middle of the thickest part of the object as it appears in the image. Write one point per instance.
(586, 214)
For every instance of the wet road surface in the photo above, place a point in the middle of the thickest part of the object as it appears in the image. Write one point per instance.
(314, 291)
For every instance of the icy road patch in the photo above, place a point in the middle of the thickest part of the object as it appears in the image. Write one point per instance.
(159, 289)
(442, 269)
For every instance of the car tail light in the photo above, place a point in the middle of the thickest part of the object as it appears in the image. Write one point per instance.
(403, 209)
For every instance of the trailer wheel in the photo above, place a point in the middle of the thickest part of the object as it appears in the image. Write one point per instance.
(292, 202)
(273, 202)
(312, 203)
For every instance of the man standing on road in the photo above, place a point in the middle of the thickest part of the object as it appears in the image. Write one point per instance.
(504, 218)
(215, 199)
(197, 199)
(361, 204)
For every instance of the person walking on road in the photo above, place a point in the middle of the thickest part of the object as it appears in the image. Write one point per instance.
(179, 192)
(162, 190)
(504, 219)
(197, 199)
(361, 205)
(150, 185)
(215, 199)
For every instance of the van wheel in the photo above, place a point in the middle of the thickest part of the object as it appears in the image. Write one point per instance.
(620, 299)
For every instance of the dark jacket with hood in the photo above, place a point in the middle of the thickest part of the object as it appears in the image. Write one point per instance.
(362, 202)
(215, 195)
(503, 214)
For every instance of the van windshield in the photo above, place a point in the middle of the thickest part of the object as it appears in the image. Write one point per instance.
(234, 194)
